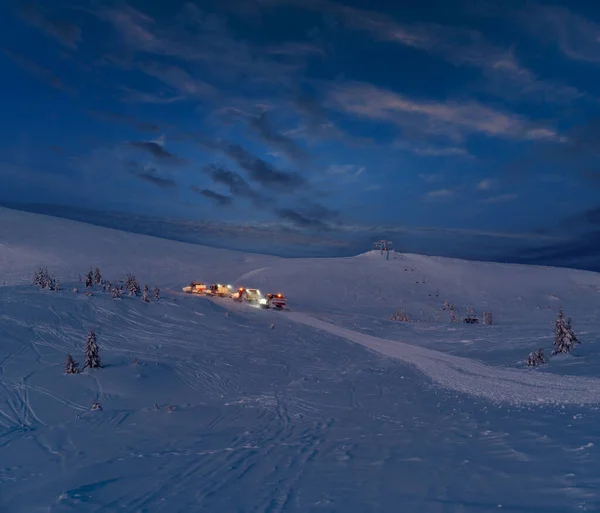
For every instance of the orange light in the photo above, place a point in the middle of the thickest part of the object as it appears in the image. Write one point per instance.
(278, 295)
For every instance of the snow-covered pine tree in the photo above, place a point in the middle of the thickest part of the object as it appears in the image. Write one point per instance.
(564, 336)
(536, 358)
(156, 293)
(92, 352)
(97, 276)
(146, 294)
(89, 279)
(132, 285)
(71, 366)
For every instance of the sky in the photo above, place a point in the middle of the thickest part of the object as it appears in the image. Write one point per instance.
(311, 127)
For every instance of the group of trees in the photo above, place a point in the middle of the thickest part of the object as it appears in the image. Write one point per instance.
(130, 285)
(91, 359)
(564, 341)
(44, 280)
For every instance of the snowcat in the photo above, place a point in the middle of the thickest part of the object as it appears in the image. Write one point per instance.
(195, 288)
(277, 301)
(244, 294)
(219, 290)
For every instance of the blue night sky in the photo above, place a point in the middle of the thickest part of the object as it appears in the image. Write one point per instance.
(311, 127)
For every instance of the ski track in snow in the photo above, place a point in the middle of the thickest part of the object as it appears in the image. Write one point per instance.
(472, 377)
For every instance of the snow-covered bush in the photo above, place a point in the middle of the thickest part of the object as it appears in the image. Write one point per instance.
(400, 316)
(97, 276)
(116, 292)
(156, 293)
(132, 285)
(146, 294)
(564, 336)
(487, 318)
(92, 352)
(71, 366)
(536, 358)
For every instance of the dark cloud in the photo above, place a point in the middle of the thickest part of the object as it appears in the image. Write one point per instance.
(236, 184)
(44, 75)
(288, 146)
(142, 126)
(65, 32)
(157, 150)
(311, 109)
(576, 155)
(149, 175)
(220, 199)
(301, 219)
(262, 172)
(579, 251)
(163, 183)
(311, 215)
(580, 246)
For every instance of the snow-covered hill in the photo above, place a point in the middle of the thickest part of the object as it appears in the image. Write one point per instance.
(335, 409)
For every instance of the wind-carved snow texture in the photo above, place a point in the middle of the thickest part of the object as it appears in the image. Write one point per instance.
(472, 377)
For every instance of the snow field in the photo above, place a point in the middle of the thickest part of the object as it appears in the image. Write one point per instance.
(335, 409)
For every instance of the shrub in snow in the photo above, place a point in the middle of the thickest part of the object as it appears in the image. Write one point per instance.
(145, 294)
(487, 318)
(89, 279)
(96, 406)
(564, 336)
(71, 366)
(132, 285)
(92, 352)
(97, 276)
(116, 292)
(156, 293)
(536, 358)
(400, 316)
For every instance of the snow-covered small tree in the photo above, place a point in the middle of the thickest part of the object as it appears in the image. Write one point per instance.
(71, 366)
(146, 294)
(89, 279)
(536, 358)
(97, 276)
(92, 352)
(564, 336)
(107, 285)
(132, 285)
(156, 293)
(116, 292)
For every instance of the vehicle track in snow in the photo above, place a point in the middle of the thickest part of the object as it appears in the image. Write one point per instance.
(472, 377)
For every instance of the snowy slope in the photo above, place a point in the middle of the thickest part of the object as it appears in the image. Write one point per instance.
(335, 409)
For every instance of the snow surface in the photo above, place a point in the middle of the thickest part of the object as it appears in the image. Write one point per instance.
(335, 409)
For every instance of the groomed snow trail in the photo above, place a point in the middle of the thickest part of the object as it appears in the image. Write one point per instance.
(471, 377)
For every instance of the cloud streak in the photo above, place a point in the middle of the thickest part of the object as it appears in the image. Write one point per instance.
(68, 34)
(263, 172)
(458, 46)
(42, 74)
(219, 199)
(158, 151)
(452, 120)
